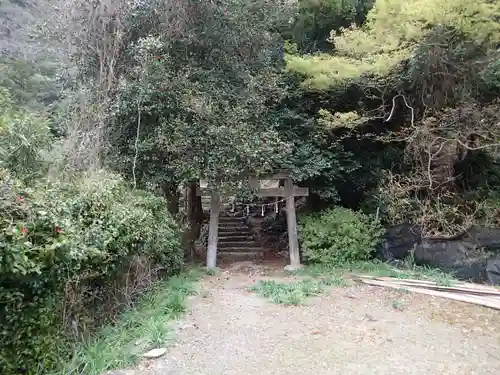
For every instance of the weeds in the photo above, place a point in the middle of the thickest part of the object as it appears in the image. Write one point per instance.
(407, 270)
(142, 328)
(332, 280)
(294, 293)
(326, 276)
(396, 305)
(211, 271)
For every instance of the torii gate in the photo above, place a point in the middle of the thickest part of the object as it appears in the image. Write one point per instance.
(289, 191)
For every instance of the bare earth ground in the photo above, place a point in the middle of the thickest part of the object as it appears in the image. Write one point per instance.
(349, 331)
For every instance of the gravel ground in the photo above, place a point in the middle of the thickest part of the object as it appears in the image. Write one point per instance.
(349, 331)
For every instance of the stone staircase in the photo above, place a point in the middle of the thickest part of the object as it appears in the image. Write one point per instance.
(236, 238)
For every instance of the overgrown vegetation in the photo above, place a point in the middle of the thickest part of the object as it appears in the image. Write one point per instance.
(294, 293)
(316, 279)
(148, 325)
(339, 236)
(74, 250)
(425, 78)
(68, 248)
(109, 109)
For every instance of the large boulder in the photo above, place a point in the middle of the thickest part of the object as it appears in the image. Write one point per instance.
(493, 270)
(486, 237)
(472, 256)
(398, 241)
(460, 257)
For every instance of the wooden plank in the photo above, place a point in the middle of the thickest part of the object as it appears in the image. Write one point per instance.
(270, 192)
(461, 287)
(456, 289)
(281, 192)
(272, 176)
(254, 182)
(482, 301)
(453, 289)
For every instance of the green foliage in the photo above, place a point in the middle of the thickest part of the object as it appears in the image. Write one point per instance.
(288, 293)
(412, 93)
(29, 66)
(198, 102)
(137, 330)
(490, 74)
(296, 293)
(317, 159)
(65, 246)
(57, 235)
(339, 236)
(32, 84)
(393, 30)
(315, 20)
(23, 139)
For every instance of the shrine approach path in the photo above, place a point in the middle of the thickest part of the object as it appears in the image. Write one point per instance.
(350, 330)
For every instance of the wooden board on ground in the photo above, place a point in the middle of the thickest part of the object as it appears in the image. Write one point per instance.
(468, 288)
(465, 292)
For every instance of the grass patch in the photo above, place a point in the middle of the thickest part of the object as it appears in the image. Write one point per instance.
(333, 280)
(406, 270)
(211, 271)
(396, 305)
(287, 293)
(294, 293)
(137, 330)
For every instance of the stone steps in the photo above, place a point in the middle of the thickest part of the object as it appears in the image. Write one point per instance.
(229, 218)
(250, 244)
(239, 257)
(236, 238)
(240, 250)
(234, 229)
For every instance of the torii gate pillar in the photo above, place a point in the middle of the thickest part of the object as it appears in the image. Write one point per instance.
(291, 221)
(289, 191)
(213, 230)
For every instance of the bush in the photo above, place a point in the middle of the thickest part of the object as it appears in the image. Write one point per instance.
(23, 139)
(62, 247)
(339, 236)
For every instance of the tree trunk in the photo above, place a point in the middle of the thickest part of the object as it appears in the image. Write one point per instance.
(213, 230)
(171, 194)
(194, 211)
(196, 203)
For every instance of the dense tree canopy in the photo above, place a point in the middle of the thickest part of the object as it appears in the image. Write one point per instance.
(421, 75)
(392, 33)
(173, 91)
(386, 106)
(316, 19)
(203, 97)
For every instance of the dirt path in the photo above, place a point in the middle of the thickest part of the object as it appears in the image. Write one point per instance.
(353, 330)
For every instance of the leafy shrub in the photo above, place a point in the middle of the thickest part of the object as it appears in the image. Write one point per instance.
(58, 237)
(23, 138)
(338, 236)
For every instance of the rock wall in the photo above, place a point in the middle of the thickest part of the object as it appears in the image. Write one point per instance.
(475, 256)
